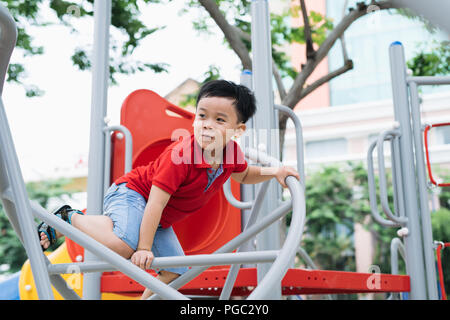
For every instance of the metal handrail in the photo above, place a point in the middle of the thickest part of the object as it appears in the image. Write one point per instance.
(386, 135)
(128, 152)
(298, 136)
(372, 191)
(232, 200)
(233, 272)
(287, 253)
(396, 247)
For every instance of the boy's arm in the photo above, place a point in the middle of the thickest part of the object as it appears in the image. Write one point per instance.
(156, 203)
(255, 174)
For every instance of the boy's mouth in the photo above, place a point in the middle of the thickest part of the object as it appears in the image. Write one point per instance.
(206, 137)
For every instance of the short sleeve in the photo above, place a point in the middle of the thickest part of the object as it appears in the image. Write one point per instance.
(240, 163)
(168, 174)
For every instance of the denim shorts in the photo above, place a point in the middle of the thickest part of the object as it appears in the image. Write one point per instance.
(126, 207)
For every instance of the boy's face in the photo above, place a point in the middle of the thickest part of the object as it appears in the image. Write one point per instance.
(216, 122)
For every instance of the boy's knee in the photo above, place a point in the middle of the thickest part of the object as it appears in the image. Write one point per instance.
(168, 276)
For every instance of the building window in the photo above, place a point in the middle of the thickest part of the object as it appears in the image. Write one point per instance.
(325, 148)
(443, 134)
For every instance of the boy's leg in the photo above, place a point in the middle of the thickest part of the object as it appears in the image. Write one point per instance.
(100, 228)
(164, 276)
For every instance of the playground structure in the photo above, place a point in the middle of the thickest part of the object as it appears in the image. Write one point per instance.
(209, 239)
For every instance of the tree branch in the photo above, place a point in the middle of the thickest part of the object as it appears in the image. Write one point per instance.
(229, 32)
(278, 81)
(295, 93)
(348, 65)
(307, 31)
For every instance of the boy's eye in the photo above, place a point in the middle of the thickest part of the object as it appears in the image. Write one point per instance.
(220, 120)
(201, 115)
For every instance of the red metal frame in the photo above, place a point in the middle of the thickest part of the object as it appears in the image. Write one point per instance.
(441, 272)
(296, 281)
(428, 127)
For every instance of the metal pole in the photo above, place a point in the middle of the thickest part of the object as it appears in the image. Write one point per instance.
(264, 121)
(427, 232)
(413, 240)
(175, 261)
(100, 78)
(248, 192)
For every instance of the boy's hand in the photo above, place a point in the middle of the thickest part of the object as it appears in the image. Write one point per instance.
(142, 258)
(283, 172)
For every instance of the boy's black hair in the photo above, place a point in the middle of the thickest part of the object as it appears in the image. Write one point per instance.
(244, 100)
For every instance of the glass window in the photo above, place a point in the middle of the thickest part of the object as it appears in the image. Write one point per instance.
(443, 134)
(367, 41)
(325, 148)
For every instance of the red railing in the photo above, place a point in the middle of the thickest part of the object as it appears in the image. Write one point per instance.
(441, 272)
(427, 153)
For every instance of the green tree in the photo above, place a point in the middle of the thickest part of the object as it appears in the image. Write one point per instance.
(12, 252)
(330, 218)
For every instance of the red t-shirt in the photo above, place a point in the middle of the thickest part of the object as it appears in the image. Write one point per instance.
(181, 171)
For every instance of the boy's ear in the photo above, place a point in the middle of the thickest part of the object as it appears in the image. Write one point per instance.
(240, 130)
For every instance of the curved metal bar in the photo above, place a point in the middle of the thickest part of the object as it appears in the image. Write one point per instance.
(233, 272)
(396, 247)
(289, 249)
(298, 136)
(372, 190)
(232, 200)
(386, 135)
(128, 144)
(128, 152)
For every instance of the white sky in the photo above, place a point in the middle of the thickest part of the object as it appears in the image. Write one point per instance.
(51, 132)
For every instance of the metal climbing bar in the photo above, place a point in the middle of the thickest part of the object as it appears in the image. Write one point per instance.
(176, 261)
(232, 274)
(128, 159)
(390, 135)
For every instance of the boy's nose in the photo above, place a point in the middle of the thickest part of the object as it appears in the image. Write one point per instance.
(207, 124)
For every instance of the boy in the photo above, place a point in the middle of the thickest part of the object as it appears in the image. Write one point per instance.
(141, 206)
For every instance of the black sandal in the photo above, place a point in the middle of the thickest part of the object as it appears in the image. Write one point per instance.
(65, 213)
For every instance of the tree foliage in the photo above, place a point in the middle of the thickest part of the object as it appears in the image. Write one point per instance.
(434, 61)
(125, 18)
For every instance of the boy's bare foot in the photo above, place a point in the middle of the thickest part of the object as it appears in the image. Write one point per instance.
(45, 243)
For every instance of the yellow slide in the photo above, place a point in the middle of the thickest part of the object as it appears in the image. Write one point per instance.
(27, 287)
